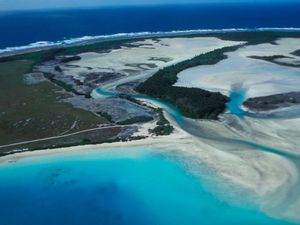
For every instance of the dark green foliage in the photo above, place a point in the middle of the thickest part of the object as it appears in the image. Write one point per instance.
(37, 57)
(163, 125)
(106, 116)
(70, 59)
(138, 119)
(192, 102)
(162, 120)
(136, 138)
(296, 53)
(251, 37)
(85, 141)
(46, 55)
(273, 101)
(273, 58)
(58, 69)
(268, 58)
(50, 54)
(162, 130)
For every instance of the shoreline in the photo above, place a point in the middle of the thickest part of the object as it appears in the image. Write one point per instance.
(86, 40)
(178, 136)
(268, 176)
(242, 174)
(239, 175)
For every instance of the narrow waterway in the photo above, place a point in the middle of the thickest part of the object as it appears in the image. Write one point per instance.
(234, 106)
(124, 186)
(198, 130)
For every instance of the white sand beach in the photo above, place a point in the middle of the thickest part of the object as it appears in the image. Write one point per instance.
(242, 170)
(264, 178)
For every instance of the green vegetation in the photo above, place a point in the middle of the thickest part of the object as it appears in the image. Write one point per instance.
(106, 116)
(162, 130)
(296, 53)
(29, 112)
(138, 119)
(34, 57)
(70, 59)
(253, 38)
(162, 120)
(273, 101)
(36, 111)
(89, 137)
(58, 69)
(38, 57)
(273, 58)
(163, 125)
(192, 102)
(46, 55)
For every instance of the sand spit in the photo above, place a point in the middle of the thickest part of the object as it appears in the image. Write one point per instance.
(213, 150)
(265, 177)
(257, 77)
(142, 58)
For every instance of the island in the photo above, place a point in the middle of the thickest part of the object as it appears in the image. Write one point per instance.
(273, 102)
(224, 105)
(107, 91)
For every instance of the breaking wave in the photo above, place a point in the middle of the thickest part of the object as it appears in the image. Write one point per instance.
(80, 40)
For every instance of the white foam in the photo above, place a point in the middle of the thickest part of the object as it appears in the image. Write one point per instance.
(78, 40)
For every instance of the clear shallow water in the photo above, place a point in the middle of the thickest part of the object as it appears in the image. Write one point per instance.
(237, 97)
(172, 110)
(118, 187)
(114, 188)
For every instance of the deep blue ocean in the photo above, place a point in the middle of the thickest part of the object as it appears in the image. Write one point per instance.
(22, 28)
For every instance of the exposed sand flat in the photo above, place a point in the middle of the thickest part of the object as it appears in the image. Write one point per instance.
(279, 135)
(284, 46)
(257, 77)
(143, 57)
(214, 150)
(244, 174)
(282, 134)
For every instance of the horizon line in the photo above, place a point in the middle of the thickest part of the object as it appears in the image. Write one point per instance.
(284, 2)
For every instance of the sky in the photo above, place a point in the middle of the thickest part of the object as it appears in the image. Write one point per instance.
(8, 5)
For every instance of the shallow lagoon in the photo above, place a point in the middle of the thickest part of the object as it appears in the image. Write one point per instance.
(128, 186)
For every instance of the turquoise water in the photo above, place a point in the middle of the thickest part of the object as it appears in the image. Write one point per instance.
(104, 94)
(237, 97)
(115, 187)
(172, 110)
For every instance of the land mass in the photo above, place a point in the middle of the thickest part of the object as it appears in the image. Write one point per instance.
(64, 112)
(272, 102)
(86, 95)
(192, 102)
